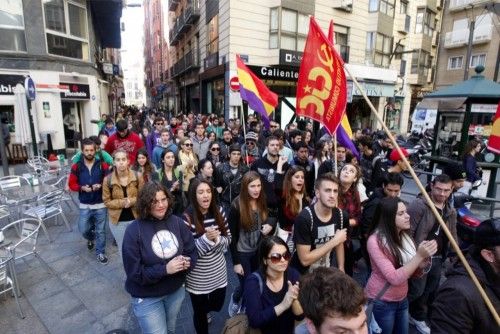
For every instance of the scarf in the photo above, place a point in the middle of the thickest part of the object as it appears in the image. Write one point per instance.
(407, 249)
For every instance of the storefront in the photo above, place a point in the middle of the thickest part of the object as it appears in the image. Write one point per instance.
(7, 99)
(213, 90)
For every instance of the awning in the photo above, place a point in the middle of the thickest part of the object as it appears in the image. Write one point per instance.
(450, 103)
(106, 16)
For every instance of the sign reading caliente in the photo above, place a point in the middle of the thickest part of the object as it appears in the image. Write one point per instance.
(275, 73)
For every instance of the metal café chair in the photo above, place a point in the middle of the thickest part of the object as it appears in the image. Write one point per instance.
(48, 206)
(7, 283)
(11, 182)
(42, 168)
(61, 183)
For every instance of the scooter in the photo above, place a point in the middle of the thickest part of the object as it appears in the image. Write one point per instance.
(467, 222)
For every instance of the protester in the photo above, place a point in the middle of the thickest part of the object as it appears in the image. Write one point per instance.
(271, 293)
(207, 282)
(87, 177)
(124, 139)
(320, 156)
(171, 177)
(214, 154)
(188, 162)
(332, 302)
(200, 141)
(382, 166)
(248, 222)
(249, 150)
(321, 228)
(144, 166)
(301, 158)
(328, 166)
(473, 172)
(99, 153)
(366, 163)
(158, 251)
(164, 142)
(458, 307)
(153, 138)
(225, 142)
(205, 171)
(394, 259)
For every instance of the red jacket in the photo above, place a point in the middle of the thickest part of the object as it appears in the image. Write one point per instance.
(131, 144)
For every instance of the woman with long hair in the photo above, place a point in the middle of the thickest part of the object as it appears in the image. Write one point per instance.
(214, 154)
(119, 194)
(205, 170)
(292, 189)
(248, 222)
(472, 171)
(158, 252)
(188, 162)
(320, 155)
(394, 259)
(349, 200)
(270, 294)
(207, 282)
(307, 137)
(171, 177)
(144, 165)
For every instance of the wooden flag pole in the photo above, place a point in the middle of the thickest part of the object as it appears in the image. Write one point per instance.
(431, 205)
(335, 152)
(244, 132)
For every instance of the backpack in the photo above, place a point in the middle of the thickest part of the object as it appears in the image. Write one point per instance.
(238, 324)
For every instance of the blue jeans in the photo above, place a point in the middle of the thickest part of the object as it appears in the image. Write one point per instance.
(250, 263)
(158, 315)
(92, 225)
(392, 317)
(118, 232)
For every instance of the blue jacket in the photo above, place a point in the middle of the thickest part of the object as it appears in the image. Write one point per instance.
(81, 176)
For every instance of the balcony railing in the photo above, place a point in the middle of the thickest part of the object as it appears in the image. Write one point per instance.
(172, 4)
(189, 62)
(192, 11)
(461, 4)
(459, 38)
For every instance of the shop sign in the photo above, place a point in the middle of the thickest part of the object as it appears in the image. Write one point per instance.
(29, 86)
(107, 68)
(486, 108)
(290, 57)
(275, 73)
(76, 91)
(8, 82)
(373, 89)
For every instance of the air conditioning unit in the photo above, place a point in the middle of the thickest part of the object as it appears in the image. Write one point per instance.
(345, 5)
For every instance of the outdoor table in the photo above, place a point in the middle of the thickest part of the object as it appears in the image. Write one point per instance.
(27, 193)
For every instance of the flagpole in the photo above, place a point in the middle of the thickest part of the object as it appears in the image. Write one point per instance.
(335, 151)
(429, 201)
(244, 131)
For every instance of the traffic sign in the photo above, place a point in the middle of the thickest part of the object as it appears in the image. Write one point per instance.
(29, 86)
(234, 84)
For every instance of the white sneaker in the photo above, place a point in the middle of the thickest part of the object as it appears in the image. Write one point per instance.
(420, 326)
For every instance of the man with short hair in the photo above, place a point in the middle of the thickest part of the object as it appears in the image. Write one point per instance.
(200, 141)
(382, 166)
(153, 138)
(332, 302)
(424, 226)
(164, 144)
(365, 144)
(328, 166)
(283, 150)
(225, 141)
(458, 306)
(321, 228)
(124, 139)
(86, 178)
(294, 136)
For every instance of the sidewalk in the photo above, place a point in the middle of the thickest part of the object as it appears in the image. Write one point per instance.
(70, 292)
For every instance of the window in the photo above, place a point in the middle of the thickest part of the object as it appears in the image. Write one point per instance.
(378, 48)
(341, 41)
(288, 30)
(383, 6)
(12, 26)
(213, 35)
(66, 28)
(403, 9)
(420, 62)
(455, 63)
(426, 22)
(476, 60)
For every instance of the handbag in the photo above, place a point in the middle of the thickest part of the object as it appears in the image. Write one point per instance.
(238, 324)
(370, 305)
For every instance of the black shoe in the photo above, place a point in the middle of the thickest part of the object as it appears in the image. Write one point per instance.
(102, 258)
(90, 245)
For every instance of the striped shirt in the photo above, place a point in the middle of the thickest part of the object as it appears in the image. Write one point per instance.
(210, 272)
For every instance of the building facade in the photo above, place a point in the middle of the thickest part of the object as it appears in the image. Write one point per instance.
(456, 60)
(69, 49)
(388, 46)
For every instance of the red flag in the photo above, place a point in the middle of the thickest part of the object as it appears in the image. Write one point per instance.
(321, 89)
(494, 140)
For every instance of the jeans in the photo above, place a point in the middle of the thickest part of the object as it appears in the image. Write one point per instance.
(158, 315)
(118, 231)
(422, 291)
(202, 304)
(249, 262)
(92, 225)
(392, 317)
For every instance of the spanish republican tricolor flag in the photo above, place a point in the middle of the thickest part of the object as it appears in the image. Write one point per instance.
(322, 86)
(494, 140)
(255, 92)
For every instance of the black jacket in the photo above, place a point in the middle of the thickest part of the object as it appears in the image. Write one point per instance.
(459, 308)
(368, 212)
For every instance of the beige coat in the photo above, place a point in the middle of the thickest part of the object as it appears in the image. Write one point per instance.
(112, 194)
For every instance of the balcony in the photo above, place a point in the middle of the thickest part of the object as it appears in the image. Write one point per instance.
(192, 12)
(407, 23)
(172, 37)
(459, 38)
(345, 5)
(211, 60)
(343, 51)
(172, 5)
(189, 62)
(435, 40)
(456, 5)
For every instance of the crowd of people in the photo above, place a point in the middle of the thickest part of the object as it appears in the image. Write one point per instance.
(297, 216)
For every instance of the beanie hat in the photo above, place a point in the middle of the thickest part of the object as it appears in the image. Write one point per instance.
(394, 156)
(251, 136)
(488, 233)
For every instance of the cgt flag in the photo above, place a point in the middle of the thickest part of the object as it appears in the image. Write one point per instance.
(321, 89)
(494, 140)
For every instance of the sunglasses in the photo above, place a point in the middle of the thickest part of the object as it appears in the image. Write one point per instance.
(188, 145)
(250, 143)
(276, 257)
(215, 149)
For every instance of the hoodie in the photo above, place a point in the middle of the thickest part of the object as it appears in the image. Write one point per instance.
(459, 294)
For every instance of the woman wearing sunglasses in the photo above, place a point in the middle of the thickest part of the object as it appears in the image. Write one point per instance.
(214, 154)
(188, 162)
(274, 307)
(207, 282)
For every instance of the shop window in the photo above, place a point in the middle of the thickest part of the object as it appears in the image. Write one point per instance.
(383, 6)
(213, 35)
(426, 22)
(287, 29)
(12, 26)
(455, 63)
(479, 59)
(66, 28)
